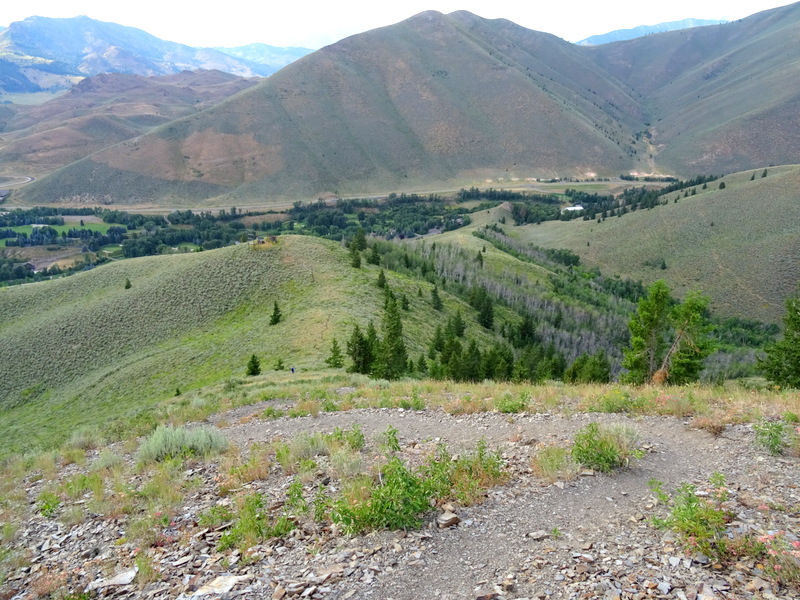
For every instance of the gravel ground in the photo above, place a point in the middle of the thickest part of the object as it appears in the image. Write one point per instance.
(587, 538)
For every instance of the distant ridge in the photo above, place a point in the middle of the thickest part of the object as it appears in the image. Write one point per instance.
(263, 54)
(42, 54)
(619, 35)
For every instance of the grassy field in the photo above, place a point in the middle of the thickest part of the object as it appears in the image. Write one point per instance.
(738, 245)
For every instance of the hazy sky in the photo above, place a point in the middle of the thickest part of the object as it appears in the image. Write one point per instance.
(313, 24)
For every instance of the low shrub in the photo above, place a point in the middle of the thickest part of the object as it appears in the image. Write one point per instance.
(776, 436)
(253, 525)
(179, 442)
(605, 448)
(509, 404)
(700, 521)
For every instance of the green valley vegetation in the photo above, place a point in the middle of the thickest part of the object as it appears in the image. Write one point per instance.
(782, 361)
(188, 320)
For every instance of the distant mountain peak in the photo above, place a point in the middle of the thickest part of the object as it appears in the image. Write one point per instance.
(46, 54)
(620, 35)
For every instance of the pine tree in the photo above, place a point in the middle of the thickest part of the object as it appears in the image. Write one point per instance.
(404, 303)
(381, 279)
(374, 257)
(359, 351)
(669, 341)
(253, 366)
(276, 315)
(459, 326)
(335, 360)
(279, 366)
(391, 360)
(486, 313)
(436, 301)
(355, 257)
(359, 241)
(127, 284)
(781, 364)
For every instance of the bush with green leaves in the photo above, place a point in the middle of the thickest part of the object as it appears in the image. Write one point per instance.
(179, 442)
(397, 502)
(507, 403)
(775, 436)
(400, 496)
(48, 503)
(605, 447)
(700, 521)
(253, 525)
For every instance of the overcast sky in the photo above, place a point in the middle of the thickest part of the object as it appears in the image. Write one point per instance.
(313, 24)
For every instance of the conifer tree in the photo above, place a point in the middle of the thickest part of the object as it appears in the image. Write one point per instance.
(276, 315)
(436, 301)
(374, 257)
(359, 241)
(391, 360)
(486, 313)
(359, 351)
(781, 364)
(335, 360)
(669, 341)
(381, 279)
(355, 257)
(459, 326)
(253, 366)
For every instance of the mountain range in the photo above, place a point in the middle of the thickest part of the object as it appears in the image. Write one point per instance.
(446, 100)
(619, 35)
(41, 54)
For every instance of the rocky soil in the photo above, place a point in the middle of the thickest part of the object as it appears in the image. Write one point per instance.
(587, 538)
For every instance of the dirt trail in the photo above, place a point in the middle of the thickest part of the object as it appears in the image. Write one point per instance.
(602, 521)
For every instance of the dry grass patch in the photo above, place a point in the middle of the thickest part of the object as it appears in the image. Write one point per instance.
(554, 463)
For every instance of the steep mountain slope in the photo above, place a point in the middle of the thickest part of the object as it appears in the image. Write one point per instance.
(451, 100)
(186, 320)
(432, 100)
(104, 110)
(719, 96)
(619, 35)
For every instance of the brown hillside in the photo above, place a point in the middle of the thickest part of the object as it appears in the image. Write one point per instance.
(451, 100)
(432, 100)
(104, 110)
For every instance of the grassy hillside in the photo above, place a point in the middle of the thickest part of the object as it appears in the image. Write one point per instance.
(85, 350)
(186, 321)
(739, 245)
